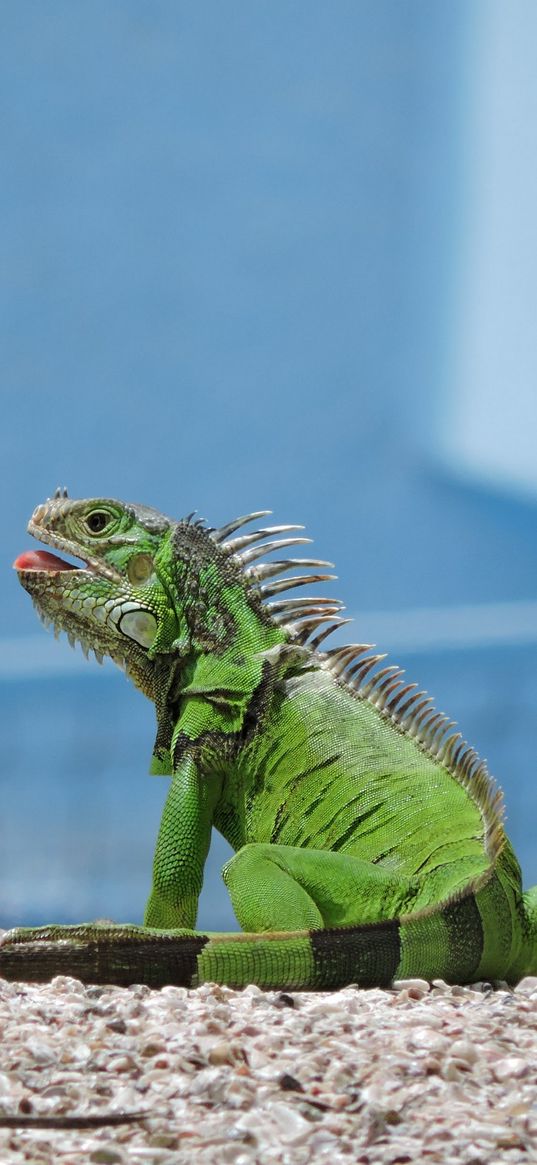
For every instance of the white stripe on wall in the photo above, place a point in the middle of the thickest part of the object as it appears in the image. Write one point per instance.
(439, 628)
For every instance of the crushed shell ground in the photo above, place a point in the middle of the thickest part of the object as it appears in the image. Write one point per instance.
(418, 1073)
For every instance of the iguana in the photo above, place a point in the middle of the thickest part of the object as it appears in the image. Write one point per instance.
(369, 838)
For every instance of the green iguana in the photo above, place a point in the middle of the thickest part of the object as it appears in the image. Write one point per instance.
(368, 836)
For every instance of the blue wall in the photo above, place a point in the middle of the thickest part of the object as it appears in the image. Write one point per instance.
(233, 241)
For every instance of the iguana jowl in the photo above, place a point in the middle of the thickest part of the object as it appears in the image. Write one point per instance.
(368, 836)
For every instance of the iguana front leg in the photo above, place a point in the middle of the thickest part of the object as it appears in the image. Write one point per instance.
(213, 707)
(182, 847)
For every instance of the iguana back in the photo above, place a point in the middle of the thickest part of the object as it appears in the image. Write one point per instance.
(369, 838)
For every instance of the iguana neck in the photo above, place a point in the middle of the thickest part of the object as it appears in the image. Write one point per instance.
(217, 658)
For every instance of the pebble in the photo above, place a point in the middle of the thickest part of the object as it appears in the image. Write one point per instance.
(509, 1066)
(430, 1039)
(464, 1050)
(418, 985)
(106, 1156)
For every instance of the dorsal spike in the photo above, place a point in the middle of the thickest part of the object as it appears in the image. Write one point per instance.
(270, 569)
(406, 710)
(390, 692)
(334, 626)
(244, 540)
(349, 650)
(405, 689)
(268, 547)
(395, 690)
(368, 690)
(421, 705)
(302, 628)
(431, 725)
(284, 618)
(445, 734)
(470, 763)
(382, 683)
(290, 605)
(363, 669)
(288, 584)
(450, 748)
(224, 531)
(379, 675)
(420, 713)
(338, 658)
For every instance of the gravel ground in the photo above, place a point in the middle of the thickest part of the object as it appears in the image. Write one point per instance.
(416, 1073)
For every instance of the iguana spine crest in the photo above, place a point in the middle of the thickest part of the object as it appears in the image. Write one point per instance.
(385, 688)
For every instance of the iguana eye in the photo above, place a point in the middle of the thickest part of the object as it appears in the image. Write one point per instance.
(140, 568)
(97, 521)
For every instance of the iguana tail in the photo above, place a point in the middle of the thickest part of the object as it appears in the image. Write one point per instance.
(452, 942)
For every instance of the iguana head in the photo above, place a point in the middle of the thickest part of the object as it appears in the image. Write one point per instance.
(116, 603)
(150, 587)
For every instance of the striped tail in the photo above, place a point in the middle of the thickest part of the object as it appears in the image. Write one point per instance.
(464, 940)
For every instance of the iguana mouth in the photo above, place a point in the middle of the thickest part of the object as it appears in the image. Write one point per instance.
(43, 560)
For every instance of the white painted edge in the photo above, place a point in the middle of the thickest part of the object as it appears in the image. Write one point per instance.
(425, 629)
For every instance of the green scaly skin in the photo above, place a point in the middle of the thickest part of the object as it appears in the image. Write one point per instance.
(368, 837)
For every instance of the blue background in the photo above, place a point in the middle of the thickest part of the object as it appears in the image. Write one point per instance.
(234, 245)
